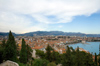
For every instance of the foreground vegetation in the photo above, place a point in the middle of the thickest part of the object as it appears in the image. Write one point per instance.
(9, 51)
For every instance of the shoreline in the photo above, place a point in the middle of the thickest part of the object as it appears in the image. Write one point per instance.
(81, 42)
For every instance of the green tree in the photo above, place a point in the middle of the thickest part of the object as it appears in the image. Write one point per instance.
(23, 54)
(56, 57)
(88, 60)
(2, 46)
(3, 43)
(99, 61)
(1, 54)
(78, 58)
(53, 56)
(67, 59)
(96, 59)
(40, 53)
(51, 64)
(48, 53)
(40, 62)
(29, 52)
(10, 50)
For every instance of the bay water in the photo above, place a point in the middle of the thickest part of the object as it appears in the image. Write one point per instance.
(92, 47)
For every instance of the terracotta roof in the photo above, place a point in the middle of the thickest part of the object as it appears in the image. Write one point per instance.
(38, 47)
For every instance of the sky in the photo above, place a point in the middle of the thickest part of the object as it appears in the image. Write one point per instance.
(22, 16)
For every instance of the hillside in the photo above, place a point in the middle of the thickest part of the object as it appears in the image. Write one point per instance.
(55, 33)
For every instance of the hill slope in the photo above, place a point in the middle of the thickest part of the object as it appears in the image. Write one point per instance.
(55, 33)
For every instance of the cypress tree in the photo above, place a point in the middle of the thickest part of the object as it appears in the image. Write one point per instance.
(1, 53)
(23, 54)
(96, 59)
(78, 58)
(48, 53)
(53, 56)
(10, 48)
(2, 46)
(67, 60)
(29, 52)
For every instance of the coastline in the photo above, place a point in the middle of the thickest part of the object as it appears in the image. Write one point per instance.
(81, 42)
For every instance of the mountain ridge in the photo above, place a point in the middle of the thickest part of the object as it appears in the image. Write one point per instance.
(55, 33)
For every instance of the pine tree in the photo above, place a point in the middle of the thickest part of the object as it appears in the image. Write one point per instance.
(67, 60)
(29, 52)
(96, 59)
(48, 53)
(10, 48)
(1, 53)
(23, 54)
(78, 58)
(2, 46)
(53, 56)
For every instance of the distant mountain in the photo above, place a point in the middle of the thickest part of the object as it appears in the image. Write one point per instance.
(6, 34)
(55, 33)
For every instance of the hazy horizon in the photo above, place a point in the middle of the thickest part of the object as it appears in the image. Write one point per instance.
(47, 31)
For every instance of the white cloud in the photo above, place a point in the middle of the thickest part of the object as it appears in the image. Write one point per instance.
(16, 23)
(60, 26)
(12, 13)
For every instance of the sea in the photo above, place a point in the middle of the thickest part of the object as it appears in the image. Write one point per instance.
(92, 47)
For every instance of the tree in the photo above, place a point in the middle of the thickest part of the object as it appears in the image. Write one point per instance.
(78, 59)
(2, 46)
(67, 58)
(3, 43)
(29, 52)
(51, 64)
(99, 61)
(1, 53)
(55, 57)
(96, 59)
(40, 62)
(10, 49)
(23, 54)
(88, 60)
(40, 53)
(48, 53)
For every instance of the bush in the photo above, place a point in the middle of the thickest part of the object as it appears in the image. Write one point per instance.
(21, 64)
(51, 64)
(40, 62)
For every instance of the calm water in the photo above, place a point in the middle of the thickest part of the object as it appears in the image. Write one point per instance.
(92, 47)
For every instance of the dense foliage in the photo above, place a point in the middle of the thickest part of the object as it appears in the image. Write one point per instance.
(1, 54)
(99, 61)
(10, 49)
(70, 58)
(23, 54)
(29, 53)
(40, 62)
(51, 64)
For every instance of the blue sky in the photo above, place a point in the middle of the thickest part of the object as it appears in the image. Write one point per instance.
(23, 16)
(84, 24)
